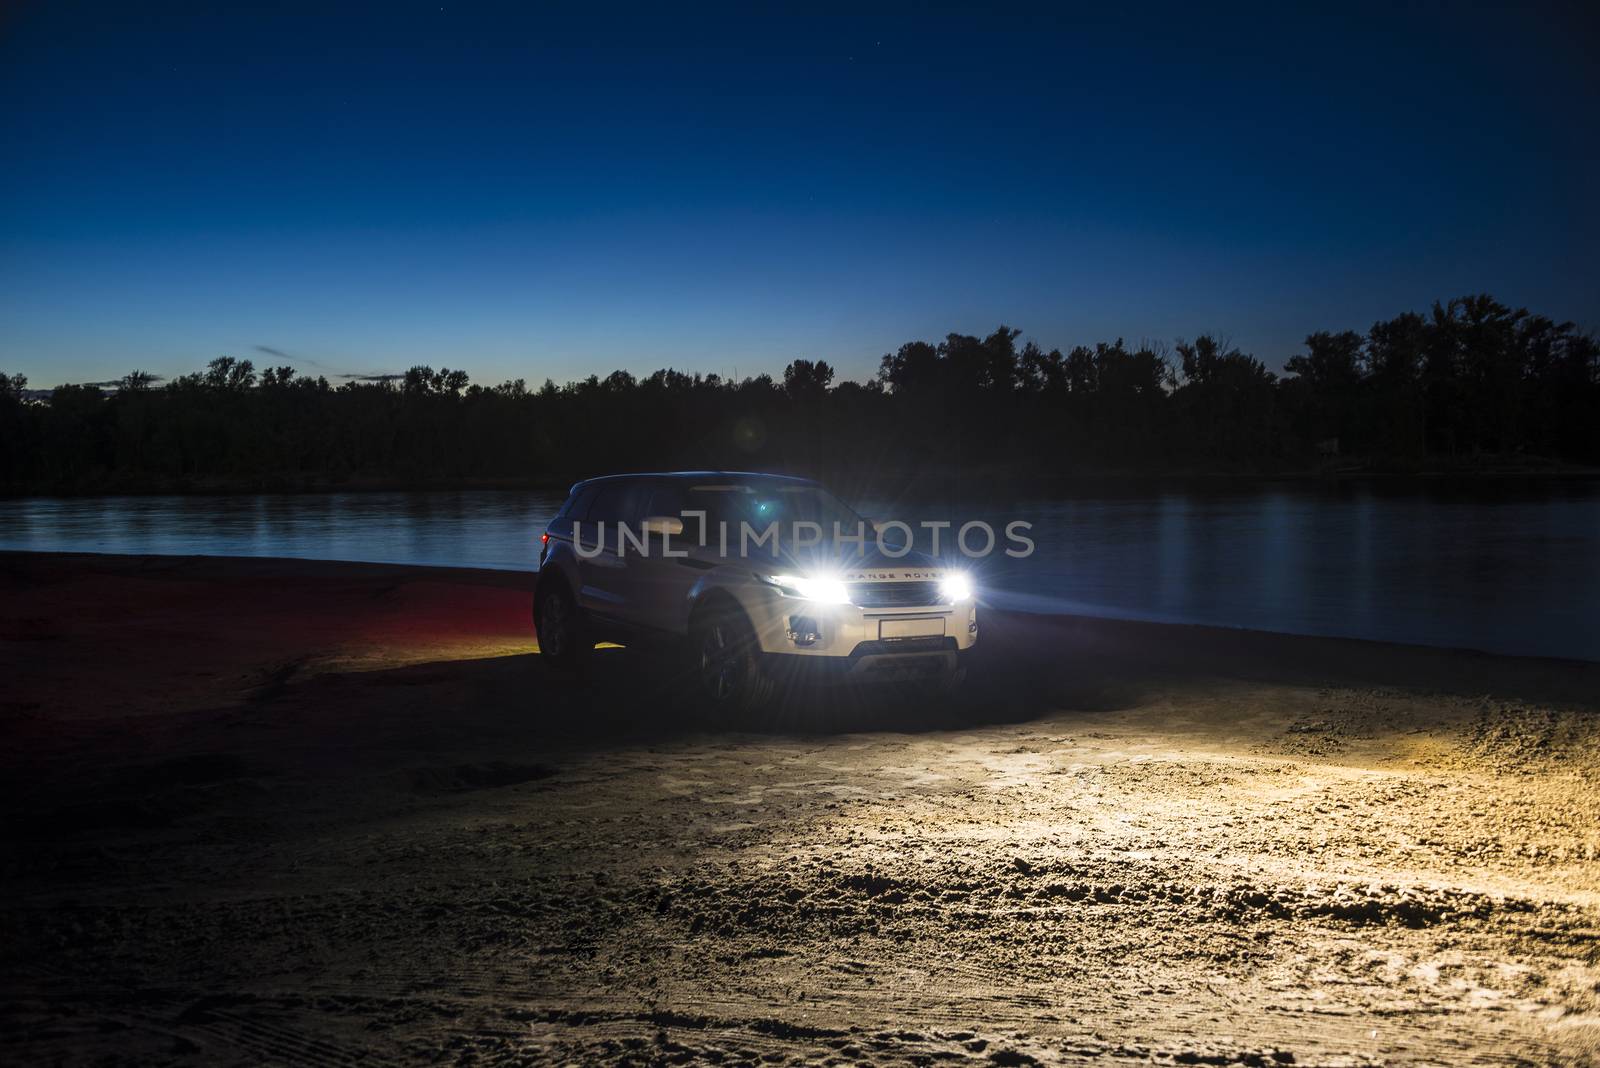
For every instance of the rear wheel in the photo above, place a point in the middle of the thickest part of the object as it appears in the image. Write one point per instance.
(563, 636)
(728, 661)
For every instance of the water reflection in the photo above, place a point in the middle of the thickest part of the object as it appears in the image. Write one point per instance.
(1505, 569)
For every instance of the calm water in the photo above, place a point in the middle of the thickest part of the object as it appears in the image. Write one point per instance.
(1514, 571)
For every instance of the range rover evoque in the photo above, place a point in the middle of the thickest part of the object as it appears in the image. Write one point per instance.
(724, 564)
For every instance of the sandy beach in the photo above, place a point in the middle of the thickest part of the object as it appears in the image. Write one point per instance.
(264, 811)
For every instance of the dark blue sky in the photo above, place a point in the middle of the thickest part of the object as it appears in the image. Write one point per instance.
(527, 194)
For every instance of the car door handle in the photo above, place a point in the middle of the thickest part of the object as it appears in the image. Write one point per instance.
(700, 565)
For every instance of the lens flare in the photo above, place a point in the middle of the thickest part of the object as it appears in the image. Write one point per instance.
(956, 587)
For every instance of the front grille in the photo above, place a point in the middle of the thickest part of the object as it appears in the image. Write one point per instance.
(915, 594)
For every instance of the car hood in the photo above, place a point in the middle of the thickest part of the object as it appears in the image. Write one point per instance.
(869, 564)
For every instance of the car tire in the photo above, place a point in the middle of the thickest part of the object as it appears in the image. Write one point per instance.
(727, 662)
(563, 633)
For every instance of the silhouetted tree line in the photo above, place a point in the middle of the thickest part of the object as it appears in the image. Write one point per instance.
(1469, 380)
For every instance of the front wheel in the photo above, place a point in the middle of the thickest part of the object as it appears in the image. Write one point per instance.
(728, 662)
(559, 624)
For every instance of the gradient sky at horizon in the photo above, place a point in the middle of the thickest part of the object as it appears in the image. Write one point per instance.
(533, 194)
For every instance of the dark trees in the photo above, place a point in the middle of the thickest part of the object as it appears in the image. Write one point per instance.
(1471, 377)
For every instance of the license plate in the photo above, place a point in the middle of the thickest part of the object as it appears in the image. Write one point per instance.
(889, 629)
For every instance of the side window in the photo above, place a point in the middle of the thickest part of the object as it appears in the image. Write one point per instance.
(617, 502)
(669, 499)
(606, 506)
(634, 498)
(724, 507)
(577, 506)
(665, 499)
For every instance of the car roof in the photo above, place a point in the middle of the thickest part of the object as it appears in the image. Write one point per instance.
(692, 476)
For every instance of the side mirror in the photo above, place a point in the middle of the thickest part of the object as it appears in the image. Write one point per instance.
(663, 525)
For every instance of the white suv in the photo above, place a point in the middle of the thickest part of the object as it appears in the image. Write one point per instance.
(770, 579)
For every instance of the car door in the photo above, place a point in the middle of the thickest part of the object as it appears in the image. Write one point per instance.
(603, 565)
(663, 582)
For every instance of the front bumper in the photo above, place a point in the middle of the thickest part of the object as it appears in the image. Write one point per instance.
(806, 630)
(902, 660)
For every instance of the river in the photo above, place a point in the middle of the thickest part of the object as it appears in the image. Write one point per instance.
(1498, 567)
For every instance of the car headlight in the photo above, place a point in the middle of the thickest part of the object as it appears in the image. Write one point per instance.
(823, 589)
(956, 587)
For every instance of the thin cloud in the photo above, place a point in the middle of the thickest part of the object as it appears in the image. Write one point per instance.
(279, 354)
(117, 383)
(349, 376)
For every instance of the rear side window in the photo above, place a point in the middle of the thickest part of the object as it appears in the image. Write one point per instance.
(617, 502)
(665, 499)
(577, 506)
